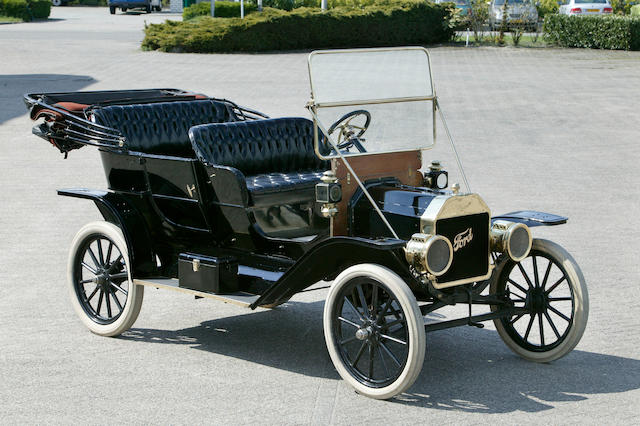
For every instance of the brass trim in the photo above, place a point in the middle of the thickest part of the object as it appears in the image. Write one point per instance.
(448, 206)
(464, 280)
(313, 107)
(372, 101)
(500, 237)
(417, 252)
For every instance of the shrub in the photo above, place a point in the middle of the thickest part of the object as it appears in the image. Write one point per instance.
(25, 10)
(15, 8)
(40, 9)
(411, 22)
(622, 7)
(635, 10)
(546, 7)
(351, 4)
(610, 32)
(224, 9)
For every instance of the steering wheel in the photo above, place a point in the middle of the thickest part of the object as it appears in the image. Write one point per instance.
(350, 133)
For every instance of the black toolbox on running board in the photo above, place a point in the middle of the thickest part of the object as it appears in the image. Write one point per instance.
(208, 274)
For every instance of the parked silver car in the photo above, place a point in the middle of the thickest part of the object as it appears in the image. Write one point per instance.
(519, 12)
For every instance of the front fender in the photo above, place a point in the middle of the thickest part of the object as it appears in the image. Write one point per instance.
(533, 218)
(330, 257)
(115, 209)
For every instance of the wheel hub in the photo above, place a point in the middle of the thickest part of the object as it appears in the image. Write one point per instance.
(364, 333)
(537, 300)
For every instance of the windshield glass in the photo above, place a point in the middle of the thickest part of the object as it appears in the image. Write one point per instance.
(590, 1)
(391, 89)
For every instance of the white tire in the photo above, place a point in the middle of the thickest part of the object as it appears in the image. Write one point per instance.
(380, 299)
(555, 297)
(99, 280)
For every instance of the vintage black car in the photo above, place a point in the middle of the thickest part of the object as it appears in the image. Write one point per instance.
(221, 201)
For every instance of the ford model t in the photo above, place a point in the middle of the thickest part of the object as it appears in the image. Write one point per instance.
(220, 201)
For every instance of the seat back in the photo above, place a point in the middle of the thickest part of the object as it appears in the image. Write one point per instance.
(162, 128)
(254, 147)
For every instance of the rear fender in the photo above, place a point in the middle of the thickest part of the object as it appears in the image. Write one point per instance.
(115, 209)
(330, 257)
(532, 218)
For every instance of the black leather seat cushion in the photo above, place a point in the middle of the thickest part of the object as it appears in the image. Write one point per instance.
(276, 156)
(162, 128)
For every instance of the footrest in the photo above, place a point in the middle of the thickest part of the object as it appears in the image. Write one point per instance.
(239, 298)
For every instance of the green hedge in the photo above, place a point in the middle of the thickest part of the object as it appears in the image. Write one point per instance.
(25, 10)
(40, 9)
(294, 4)
(224, 9)
(546, 7)
(411, 22)
(635, 10)
(16, 8)
(598, 32)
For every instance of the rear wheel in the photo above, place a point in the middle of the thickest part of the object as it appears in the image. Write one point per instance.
(549, 286)
(112, 10)
(374, 331)
(99, 280)
(148, 8)
(56, 2)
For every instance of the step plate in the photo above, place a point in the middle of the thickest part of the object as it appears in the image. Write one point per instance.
(240, 298)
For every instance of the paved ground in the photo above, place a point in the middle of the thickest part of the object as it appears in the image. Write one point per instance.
(554, 130)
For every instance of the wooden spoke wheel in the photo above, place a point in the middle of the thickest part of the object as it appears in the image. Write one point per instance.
(374, 331)
(549, 287)
(99, 280)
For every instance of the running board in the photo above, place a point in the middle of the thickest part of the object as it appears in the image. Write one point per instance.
(240, 298)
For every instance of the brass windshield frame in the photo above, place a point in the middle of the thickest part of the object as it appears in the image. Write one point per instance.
(314, 106)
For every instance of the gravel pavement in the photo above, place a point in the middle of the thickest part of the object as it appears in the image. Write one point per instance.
(548, 129)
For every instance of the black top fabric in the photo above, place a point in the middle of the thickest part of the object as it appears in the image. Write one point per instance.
(162, 128)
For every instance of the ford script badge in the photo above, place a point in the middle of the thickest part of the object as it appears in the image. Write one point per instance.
(462, 239)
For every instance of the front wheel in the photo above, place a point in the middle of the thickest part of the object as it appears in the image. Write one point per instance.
(374, 331)
(112, 10)
(99, 280)
(549, 292)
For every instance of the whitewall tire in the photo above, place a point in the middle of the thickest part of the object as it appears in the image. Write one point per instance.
(549, 288)
(374, 331)
(99, 280)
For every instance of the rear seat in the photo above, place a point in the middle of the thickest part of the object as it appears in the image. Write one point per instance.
(162, 128)
(276, 157)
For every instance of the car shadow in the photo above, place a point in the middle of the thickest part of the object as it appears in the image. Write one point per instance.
(13, 88)
(466, 369)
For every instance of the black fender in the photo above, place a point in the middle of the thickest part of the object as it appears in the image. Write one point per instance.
(532, 218)
(330, 257)
(115, 209)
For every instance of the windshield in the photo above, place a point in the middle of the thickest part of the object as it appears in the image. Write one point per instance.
(590, 1)
(501, 2)
(384, 97)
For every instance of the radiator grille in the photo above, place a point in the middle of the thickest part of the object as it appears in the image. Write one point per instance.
(469, 236)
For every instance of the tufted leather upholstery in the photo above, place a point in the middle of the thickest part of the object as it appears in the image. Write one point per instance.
(162, 128)
(275, 155)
